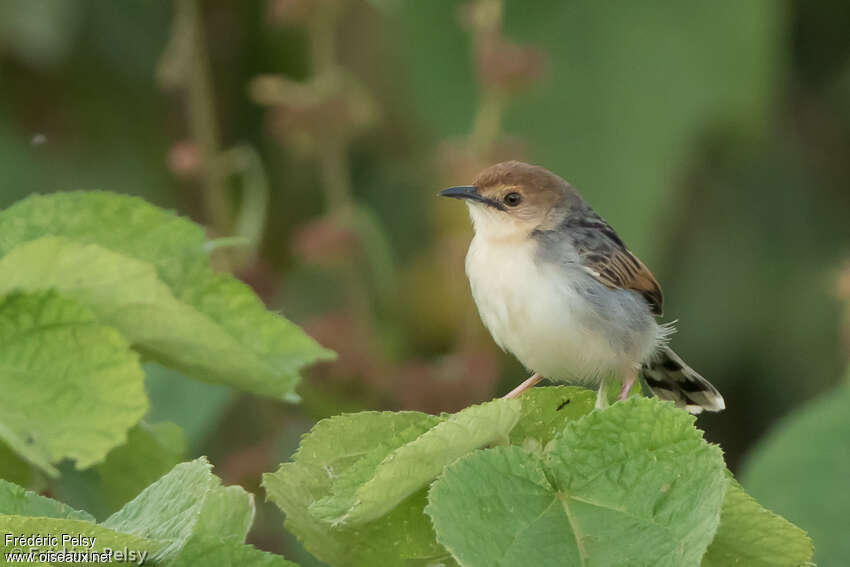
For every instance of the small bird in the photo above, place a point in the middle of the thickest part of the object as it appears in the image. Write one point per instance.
(557, 287)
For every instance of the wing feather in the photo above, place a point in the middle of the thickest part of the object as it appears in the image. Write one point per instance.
(604, 255)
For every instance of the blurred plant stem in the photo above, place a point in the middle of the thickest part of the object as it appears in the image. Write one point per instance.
(322, 34)
(503, 68)
(333, 162)
(244, 162)
(335, 172)
(333, 159)
(186, 65)
(202, 120)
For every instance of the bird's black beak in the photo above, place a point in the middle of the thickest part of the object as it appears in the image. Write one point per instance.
(471, 193)
(461, 192)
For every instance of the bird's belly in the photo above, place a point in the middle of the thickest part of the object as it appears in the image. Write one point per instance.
(558, 321)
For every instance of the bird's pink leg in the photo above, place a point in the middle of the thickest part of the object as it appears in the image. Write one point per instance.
(535, 378)
(627, 384)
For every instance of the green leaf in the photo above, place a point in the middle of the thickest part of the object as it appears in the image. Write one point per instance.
(328, 459)
(104, 537)
(17, 501)
(416, 463)
(72, 386)
(269, 349)
(350, 476)
(546, 411)
(206, 550)
(804, 464)
(634, 484)
(25, 513)
(127, 294)
(185, 518)
(187, 501)
(752, 536)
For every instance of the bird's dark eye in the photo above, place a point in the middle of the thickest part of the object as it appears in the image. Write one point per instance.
(513, 199)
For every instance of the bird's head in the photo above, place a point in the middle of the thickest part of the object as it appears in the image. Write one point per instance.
(511, 199)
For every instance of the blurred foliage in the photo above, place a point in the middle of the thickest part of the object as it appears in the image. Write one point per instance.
(149, 453)
(714, 136)
(801, 469)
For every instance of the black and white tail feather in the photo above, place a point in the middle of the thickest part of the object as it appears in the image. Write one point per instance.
(671, 379)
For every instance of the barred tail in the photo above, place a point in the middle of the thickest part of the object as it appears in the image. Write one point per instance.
(670, 378)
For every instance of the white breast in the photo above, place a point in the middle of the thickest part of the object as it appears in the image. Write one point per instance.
(545, 316)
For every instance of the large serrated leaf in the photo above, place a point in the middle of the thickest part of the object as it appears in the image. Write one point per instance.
(127, 294)
(72, 387)
(632, 485)
(25, 513)
(174, 246)
(546, 411)
(415, 464)
(187, 501)
(346, 481)
(751, 536)
(402, 537)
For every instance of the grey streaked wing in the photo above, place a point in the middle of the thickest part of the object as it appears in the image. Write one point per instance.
(603, 254)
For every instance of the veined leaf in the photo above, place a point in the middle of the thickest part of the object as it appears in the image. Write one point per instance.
(185, 518)
(174, 247)
(25, 513)
(127, 294)
(635, 484)
(104, 538)
(631, 485)
(329, 456)
(546, 411)
(72, 387)
(187, 501)
(414, 465)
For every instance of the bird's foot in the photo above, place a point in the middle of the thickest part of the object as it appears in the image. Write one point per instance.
(627, 386)
(534, 379)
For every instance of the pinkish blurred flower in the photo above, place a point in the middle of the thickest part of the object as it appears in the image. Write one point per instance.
(184, 160)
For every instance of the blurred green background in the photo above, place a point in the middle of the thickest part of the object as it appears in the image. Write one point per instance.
(715, 137)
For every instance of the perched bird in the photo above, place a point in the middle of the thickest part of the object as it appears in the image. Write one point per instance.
(556, 287)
